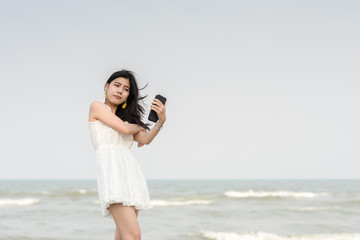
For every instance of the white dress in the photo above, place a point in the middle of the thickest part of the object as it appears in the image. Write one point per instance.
(119, 176)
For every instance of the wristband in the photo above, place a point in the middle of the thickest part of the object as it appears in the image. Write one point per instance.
(158, 127)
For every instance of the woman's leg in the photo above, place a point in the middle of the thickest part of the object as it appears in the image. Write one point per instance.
(125, 218)
(117, 232)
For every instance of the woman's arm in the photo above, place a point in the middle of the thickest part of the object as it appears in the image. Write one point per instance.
(102, 113)
(144, 137)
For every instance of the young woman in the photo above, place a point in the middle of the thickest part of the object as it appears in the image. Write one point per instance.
(114, 125)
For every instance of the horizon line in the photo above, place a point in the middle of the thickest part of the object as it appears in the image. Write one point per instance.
(173, 179)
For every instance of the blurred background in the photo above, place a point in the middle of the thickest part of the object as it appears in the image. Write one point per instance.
(256, 91)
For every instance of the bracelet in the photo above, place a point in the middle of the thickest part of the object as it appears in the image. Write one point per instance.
(158, 127)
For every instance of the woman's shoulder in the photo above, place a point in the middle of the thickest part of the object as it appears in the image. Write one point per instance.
(96, 104)
(97, 107)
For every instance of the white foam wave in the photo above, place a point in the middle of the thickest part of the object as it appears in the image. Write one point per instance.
(260, 194)
(307, 209)
(165, 203)
(84, 191)
(43, 192)
(19, 202)
(272, 236)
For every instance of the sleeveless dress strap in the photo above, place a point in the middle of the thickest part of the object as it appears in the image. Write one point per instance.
(108, 107)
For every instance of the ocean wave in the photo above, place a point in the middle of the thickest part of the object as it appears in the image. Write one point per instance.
(42, 192)
(19, 202)
(52, 193)
(332, 209)
(272, 236)
(165, 203)
(260, 194)
(307, 209)
(84, 191)
(15, 193)
(350, 203)
(75, 192)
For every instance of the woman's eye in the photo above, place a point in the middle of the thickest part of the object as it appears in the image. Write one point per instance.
(127, 89)
(116, 85)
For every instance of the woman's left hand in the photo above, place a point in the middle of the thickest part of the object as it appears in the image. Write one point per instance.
(160, 109)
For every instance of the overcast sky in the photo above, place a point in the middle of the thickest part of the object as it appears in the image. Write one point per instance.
(255, 89)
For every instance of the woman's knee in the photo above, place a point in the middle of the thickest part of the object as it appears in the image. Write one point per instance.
(132, 236)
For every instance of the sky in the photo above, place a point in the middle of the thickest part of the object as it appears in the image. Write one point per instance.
(255, 89)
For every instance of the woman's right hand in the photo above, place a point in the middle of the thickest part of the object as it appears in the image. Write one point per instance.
(160, 109)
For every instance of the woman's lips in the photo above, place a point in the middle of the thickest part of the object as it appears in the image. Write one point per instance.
(117, 97)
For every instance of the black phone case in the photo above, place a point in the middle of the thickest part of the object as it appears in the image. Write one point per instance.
(153, 115)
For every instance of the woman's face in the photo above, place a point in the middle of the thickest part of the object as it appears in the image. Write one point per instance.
(118, 90)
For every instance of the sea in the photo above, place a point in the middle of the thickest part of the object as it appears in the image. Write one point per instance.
(234, 209)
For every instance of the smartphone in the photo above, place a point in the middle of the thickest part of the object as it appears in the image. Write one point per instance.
(153, 115)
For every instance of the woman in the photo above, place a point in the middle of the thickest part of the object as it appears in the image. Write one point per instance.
(114, 125)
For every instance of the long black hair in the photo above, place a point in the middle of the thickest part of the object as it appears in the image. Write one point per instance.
(133, 111)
